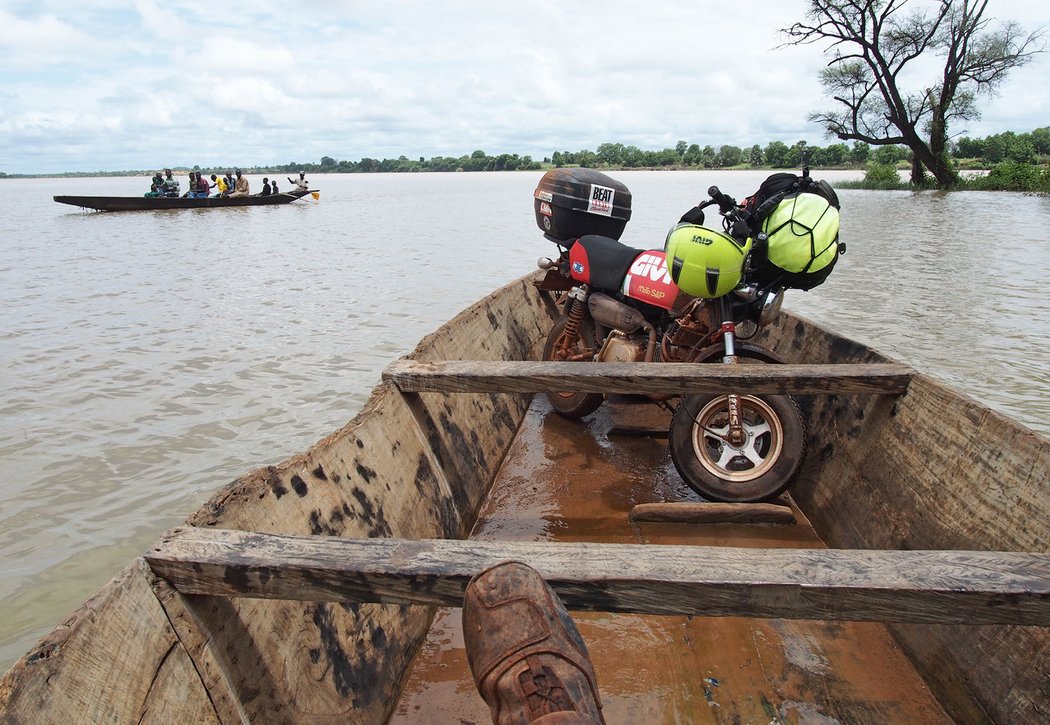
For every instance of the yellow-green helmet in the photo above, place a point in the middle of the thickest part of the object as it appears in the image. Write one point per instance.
(704, 262)
(803, 233)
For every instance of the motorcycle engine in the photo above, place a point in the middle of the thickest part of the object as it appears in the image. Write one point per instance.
(619, 347)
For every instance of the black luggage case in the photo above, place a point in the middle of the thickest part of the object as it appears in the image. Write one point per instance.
(572, 203)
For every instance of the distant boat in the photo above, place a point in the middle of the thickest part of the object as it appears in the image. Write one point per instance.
(146, 203)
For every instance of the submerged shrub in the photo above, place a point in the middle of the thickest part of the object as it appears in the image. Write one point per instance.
(881, 176)
(1013, 176)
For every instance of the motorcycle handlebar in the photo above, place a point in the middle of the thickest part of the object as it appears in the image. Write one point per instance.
(724, 201)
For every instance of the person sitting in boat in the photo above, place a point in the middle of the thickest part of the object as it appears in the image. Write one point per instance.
(156, 186)
(201, 186)
(191, 187)
(170, 185)
(229, 182)
(266, 191)
(301, 183)
(218, 183)
(240, 187)
(273, 187)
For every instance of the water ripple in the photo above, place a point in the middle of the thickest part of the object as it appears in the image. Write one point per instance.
(151, 358)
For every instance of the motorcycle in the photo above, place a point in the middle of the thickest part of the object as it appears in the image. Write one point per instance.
(621, 304)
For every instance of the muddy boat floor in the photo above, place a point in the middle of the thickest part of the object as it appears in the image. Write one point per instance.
(572, 481)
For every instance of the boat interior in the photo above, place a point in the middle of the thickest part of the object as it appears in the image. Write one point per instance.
(904, 578)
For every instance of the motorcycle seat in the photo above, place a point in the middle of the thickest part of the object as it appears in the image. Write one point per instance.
(608, 260)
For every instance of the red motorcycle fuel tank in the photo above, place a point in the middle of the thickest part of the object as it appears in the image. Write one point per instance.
(648, 280)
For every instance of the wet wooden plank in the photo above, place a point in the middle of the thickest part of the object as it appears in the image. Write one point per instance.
(946, 587)
(115, 660)
(692, 512)
(523, 376)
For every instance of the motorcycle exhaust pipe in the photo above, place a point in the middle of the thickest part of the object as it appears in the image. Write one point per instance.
(615, 315)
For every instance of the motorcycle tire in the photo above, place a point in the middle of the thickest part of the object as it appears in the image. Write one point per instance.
(769, 461)
(571, 405)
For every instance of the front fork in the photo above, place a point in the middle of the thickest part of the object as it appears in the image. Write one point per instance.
(736, 436)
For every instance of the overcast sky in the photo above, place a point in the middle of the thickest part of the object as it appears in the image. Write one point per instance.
(109, 85)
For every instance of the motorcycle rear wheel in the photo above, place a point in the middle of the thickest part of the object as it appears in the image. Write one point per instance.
(571, 405)
(764, 466)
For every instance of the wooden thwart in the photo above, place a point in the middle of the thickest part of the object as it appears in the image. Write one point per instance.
(522, 376)
(942, 587)
(690, 512)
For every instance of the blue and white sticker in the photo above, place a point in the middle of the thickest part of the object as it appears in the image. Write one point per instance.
(577, 267)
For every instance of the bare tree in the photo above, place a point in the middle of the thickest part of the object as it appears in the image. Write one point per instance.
(872, 43)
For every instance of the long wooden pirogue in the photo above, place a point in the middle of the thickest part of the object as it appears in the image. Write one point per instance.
(160, 203)
(304, 592)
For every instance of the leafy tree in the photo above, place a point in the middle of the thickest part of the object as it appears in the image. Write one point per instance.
(872, 43)
(692, 156)
(756, 158)
(612, 154)
(633, 156)
(889, 155)
(969, 148)
(836, 154)
(730, 156)
(587, 159)
(859, 153)
(708, 157)
(328, 163)
(1009, 146)
(666, 157)
(778, 155)
(799, 155)
(1041, 140)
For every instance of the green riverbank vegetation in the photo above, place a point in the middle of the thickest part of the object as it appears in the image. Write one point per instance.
(1007, 161)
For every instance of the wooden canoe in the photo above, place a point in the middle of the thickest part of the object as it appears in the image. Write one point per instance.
(324, 589)
(154, 203)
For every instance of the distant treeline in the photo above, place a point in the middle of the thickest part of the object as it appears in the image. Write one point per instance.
(1029, 148)
(1021, 148)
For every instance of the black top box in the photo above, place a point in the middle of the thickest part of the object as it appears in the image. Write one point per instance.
(572, 203)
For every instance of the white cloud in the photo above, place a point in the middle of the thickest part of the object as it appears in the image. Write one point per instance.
(273, 81)
(39, 40)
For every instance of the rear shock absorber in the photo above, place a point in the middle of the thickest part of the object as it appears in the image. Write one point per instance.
(578, 295)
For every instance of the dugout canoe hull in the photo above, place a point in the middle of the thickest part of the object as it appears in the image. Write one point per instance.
(160, 203)
(932, 469)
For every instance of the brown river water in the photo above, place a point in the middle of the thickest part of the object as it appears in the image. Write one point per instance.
(149, 358)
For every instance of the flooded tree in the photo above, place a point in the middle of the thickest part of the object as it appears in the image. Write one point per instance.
(877, 46)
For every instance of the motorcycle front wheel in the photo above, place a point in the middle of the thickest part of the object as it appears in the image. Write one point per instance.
(769, 460)
(571, 405)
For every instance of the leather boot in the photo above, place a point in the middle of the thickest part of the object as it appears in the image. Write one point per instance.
(527, 657)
